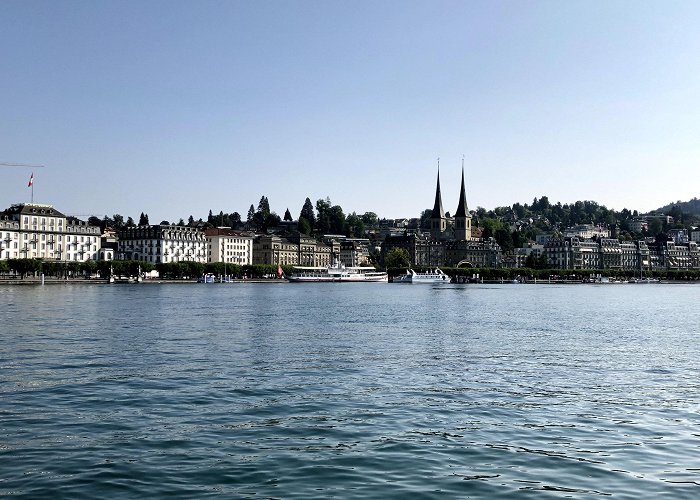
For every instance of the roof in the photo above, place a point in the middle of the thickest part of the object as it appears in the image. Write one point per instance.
(438, 212)
(462, 210)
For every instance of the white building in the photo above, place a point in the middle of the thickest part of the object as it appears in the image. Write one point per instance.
(164, 244)
(587, 232)
(231, 247)
(37, 231)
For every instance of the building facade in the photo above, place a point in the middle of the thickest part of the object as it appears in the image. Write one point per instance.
(616, 255)
(162, 244)
(231, 247)
(37, 231)
(296, 250)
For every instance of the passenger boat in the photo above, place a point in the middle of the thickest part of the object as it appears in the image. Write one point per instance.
(428, 277)
(337, 273)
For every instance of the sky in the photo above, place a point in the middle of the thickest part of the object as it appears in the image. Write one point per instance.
(175, 108)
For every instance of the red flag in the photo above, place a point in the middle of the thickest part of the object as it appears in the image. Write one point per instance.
(31, 180)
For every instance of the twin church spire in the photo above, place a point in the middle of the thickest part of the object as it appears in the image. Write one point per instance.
(462, 219)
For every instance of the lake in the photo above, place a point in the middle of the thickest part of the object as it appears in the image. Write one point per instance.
(349, 391)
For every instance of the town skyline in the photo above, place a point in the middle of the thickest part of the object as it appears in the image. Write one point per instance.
(179, 108)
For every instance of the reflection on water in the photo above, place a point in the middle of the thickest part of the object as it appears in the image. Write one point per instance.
(349, 390)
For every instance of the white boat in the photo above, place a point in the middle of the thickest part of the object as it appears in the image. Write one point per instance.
(337, 273)
(428, 277)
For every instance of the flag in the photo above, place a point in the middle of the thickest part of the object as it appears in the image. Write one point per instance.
(31, 180)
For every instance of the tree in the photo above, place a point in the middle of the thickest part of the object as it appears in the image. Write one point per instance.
(287, 216)
(397, 257)
(94, 221)
(24, 266)
(251, 215)
(336, 219)
(143, 219)
(235, 219)
(307, 212)
(118, 221)
(262, 214)
(130, 222)
(655, 227)
(164, 223)
(304, 226)
(369, 219)
(190, 221)
(355, 225)
(323, 223)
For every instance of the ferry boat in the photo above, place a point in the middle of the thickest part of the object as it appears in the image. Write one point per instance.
(429, 277)
(337, 273)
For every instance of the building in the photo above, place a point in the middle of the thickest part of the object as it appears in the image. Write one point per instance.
(162, 244)
(38, 231)
(615, 255)
(354, 252)
(231, 247)
(438, 221)
(295, 250)
(587, 231)
(452, 240)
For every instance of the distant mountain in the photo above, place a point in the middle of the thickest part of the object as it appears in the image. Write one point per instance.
(687, 207)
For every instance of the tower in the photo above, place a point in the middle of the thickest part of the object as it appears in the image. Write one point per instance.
(463, 221)
(438, 222)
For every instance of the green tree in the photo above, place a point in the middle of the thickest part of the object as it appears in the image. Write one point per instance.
(655, 227)
(287, 216)
(303, 226)
(307, 212)
(323, 222)
(250, 220)
(24, 267)
(143, 219)
(336, 219)
(235, 219)
(355, 225)
(118, 221)
(369, 219)
(397, 258)
(425, 218)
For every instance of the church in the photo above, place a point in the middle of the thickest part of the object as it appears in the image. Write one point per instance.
(449, 242)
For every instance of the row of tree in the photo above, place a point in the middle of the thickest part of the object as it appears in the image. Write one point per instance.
(103, 269)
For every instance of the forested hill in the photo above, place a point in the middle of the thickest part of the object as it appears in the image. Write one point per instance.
(687, 207)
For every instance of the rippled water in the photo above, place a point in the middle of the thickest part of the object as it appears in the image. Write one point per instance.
(351, 391)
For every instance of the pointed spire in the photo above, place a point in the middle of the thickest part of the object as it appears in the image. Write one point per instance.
(462, 210)
(438, 212)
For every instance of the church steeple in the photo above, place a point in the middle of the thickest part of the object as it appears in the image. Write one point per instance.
(438, 223)
(438, 212)
(462, 210)
(463, 221)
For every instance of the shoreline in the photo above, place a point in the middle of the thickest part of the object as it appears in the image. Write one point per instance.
(82, 281)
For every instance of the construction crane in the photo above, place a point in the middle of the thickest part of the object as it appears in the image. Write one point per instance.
(5, 164)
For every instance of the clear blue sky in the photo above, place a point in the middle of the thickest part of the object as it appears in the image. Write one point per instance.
(177, 107)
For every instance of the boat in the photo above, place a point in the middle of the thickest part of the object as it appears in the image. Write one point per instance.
(206, 278)
(429, 277)
(337, 273)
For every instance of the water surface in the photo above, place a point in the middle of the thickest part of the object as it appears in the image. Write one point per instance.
(349, 391)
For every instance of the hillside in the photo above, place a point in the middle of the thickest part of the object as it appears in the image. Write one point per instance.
(687, 207)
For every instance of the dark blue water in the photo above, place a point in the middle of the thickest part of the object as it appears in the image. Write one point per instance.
(349, 391)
